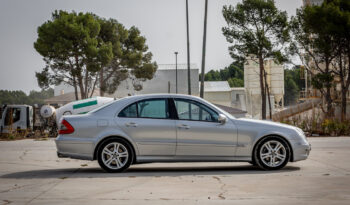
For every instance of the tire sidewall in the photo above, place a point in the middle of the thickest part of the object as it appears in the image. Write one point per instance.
(259, 161)
(108, 141)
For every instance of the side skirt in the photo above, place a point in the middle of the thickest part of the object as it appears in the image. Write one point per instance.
(145, 159)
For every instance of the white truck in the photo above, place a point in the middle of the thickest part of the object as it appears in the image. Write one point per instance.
(16, 117)
(26, 118)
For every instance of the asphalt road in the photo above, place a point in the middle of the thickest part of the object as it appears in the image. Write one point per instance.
(30, 173)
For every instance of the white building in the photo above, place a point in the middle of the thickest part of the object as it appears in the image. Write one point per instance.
(275, 81)
(164, 81)
(218, 92)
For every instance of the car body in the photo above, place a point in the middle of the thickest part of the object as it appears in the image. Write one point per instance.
(176, 128)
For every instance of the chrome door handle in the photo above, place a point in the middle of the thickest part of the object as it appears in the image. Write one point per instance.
(131, 124)
(184, 126)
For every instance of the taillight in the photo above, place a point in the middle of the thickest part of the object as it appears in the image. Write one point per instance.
(65, 128)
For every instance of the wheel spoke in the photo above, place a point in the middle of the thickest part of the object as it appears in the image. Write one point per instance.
(272, 161)
(280, 156)
(123, 154)
(118, 162)
(109, 161)
(265, 155)
(268, 145)
(278, 147)
(107, 151)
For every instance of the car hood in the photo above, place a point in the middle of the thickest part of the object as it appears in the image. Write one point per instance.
(266, 124)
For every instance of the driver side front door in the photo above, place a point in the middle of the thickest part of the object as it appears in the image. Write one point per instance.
(200, 134)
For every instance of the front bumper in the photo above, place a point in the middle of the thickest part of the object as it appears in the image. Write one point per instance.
(301, 151)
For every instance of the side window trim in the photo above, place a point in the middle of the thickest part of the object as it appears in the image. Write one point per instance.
(167, 111)
(190, 101)
(134, 103)
(167, 107)
(172, 109)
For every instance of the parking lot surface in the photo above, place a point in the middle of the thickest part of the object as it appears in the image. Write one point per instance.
(31, 173)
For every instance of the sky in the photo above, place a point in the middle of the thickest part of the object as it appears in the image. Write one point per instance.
(162, 22)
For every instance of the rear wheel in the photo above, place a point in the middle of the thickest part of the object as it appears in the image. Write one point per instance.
(272, 153)
(114, 155)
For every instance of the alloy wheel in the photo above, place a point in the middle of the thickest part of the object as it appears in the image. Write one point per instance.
(115, 155)
(273, 153)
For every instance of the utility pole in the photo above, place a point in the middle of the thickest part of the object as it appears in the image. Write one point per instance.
(203, 50)
(176, 71)
(188, 52)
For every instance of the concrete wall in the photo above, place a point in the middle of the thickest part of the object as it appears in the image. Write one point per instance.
(275, 80)
(221, 98)
(238, 98)
(162, 82)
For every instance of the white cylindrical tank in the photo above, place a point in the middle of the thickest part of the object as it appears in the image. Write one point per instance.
(81, 106)
(47, 111)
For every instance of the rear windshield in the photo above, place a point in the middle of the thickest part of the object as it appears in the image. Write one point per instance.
(102, 107)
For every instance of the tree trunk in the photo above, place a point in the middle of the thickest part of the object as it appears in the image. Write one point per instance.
(343, 89)
(81, 87)
(328, 94)
(80, 79)
(102, 83)
(268, 94)
(75, 88)
(343, 104)
(262, 88)
(86, 84)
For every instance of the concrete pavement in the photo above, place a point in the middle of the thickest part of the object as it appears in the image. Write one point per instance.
(30, 173)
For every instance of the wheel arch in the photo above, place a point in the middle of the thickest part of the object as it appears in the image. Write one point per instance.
(115, 137)
(274, 135)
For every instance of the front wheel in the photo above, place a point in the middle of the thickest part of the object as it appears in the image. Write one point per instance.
(114, 155)
(272, 153)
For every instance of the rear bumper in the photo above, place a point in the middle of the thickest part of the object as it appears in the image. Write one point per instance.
(301, 151)
(69, 147)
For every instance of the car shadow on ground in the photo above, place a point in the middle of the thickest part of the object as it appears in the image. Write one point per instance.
(134, 171)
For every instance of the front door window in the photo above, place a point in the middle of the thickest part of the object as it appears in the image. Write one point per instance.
(191, 110)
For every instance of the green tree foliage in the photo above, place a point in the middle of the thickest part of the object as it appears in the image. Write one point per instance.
(292, 85)
(19, 97)
(236, 82)
(72, 51)
(324, 47)
(256, 28)
(338, 24)
(234, 74)
(131, 56)
(85, 51)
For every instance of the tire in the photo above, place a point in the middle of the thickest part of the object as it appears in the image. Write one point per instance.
(272, 153)
(114, 155)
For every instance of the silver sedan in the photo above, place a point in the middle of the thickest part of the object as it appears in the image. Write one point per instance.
(176, 128)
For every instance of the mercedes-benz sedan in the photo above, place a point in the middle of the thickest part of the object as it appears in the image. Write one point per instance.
(176, 128)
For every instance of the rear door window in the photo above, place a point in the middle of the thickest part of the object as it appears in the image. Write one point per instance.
(153, 108)
(130, 111)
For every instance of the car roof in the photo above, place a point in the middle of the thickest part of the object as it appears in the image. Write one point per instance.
(161, 95)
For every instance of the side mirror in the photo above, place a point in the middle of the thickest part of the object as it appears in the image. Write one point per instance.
(222, 118)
